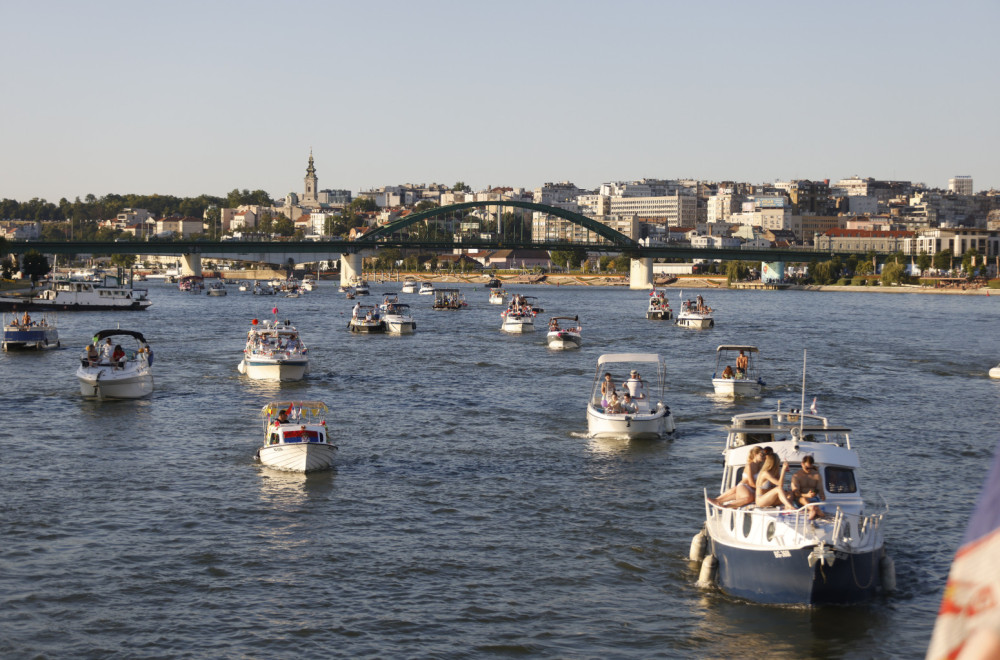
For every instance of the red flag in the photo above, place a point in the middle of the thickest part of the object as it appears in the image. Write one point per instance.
(274, 311)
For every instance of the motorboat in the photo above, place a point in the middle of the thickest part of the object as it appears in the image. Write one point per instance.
(308, 284)
(498, 296)
(449, 299)
(426, 289)
(494, 283)
(296, 437)
(646, 417)
(361, 288)
(409, 286)
(564, 335)
(191, 283)
(658, 308)
(109, 370)
(781, 555)
(366, 319)
(22, 332)
(995, 372)
(274, 351)
(349, 293)
(244, 286)
(264, 289)
(695, 314)
(113, 293)
(520, 314)
(745, 379)
(216, 289)
(397, 317)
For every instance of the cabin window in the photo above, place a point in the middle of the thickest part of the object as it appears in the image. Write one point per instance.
(747, 524)
(770, 531)
(274, 438)
(840, 480)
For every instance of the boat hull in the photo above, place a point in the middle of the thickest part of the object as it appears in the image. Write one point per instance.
(736, 387)
(284, 371)
(105, 383)
(561, 341)
(367, 328)
(30, 339)
(639, 426)
(995, 372)
(696, 322)
(400, 327)
(8, 304)
(659, 315)
(785, 577)
(518, 326)
(301, 457)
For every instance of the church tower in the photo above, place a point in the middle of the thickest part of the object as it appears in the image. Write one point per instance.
(309, 198)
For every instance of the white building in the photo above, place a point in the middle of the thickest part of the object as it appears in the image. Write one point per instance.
(677, 210)
(961, 185)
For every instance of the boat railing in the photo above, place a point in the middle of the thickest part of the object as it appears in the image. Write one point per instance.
(839, 528)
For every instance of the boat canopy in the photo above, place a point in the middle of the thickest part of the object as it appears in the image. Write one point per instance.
(565, 318)
(312, 407)
(111, 333)
(628, 357)
(734, 347)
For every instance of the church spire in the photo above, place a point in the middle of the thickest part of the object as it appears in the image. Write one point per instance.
(311, 170)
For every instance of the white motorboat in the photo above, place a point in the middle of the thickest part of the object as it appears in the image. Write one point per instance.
(426, 289)
(646, 417)
(244, 286)
(397, 318)
(564, 335)
(658, 308)
(296, 436)
(745, 379)
(696, 315)
(109, 370)
(22, 332)
(995, 372)
(114, 293)
(498, 296)
(308, 284)
(274, 351)
(773, 554)
(409, 286)
(366, 319)
(264, 289)
(216, 289)
(361, 288)
(520, 314)
(448, 299)
(191, 283)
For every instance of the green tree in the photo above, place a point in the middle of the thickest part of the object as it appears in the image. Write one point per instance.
(283, 226)
(123, 260)
(7, 267)
(621, 263)
(605, 262)
(924, 261)
(737, 271)
(411, 263)
(942, 260)
(34, 266)
(894, 273)
(968, 260)
(460, 187)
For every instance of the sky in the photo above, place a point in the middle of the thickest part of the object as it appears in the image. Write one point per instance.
(188, 98)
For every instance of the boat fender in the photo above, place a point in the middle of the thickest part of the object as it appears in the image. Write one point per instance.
(707, 574)
(698, 544)
(888, 569)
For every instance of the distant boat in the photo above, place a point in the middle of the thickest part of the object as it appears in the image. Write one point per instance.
(21, 332)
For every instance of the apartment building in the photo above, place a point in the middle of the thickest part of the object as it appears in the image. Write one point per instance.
(673, 210)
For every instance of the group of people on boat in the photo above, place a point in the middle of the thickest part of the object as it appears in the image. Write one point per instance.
(742, 364)
(633, 390)
(260, 342)
(25, 321)
(371, 315)
(762, 485)
(106, 354)
(697, 305)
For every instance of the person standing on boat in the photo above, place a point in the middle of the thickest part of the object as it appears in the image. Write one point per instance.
(635, 385)
(106, 350)
(742, 362)
(607, 389)
(282, 418)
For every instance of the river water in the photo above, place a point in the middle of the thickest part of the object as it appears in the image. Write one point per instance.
(467, 514)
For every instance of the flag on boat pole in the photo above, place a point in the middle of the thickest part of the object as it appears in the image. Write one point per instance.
(968, 622)
(812, 408)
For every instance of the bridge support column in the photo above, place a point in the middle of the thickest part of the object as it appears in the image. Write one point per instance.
(350, 268)
(191, 264)
(641, 274)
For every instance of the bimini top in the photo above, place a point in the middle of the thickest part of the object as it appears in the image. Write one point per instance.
(734, 347)
(110, 333)
(312, 407)
(628, 357)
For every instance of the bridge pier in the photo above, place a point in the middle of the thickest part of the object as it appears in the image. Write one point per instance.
(641, 273)
(191, 264)
(350, 268)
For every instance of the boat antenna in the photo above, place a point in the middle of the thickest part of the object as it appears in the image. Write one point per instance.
(802, 407)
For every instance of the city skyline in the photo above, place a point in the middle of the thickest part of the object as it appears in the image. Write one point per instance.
(201, 99)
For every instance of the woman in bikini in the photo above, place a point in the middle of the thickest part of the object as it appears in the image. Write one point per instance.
(770, 488)
(744, 492)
